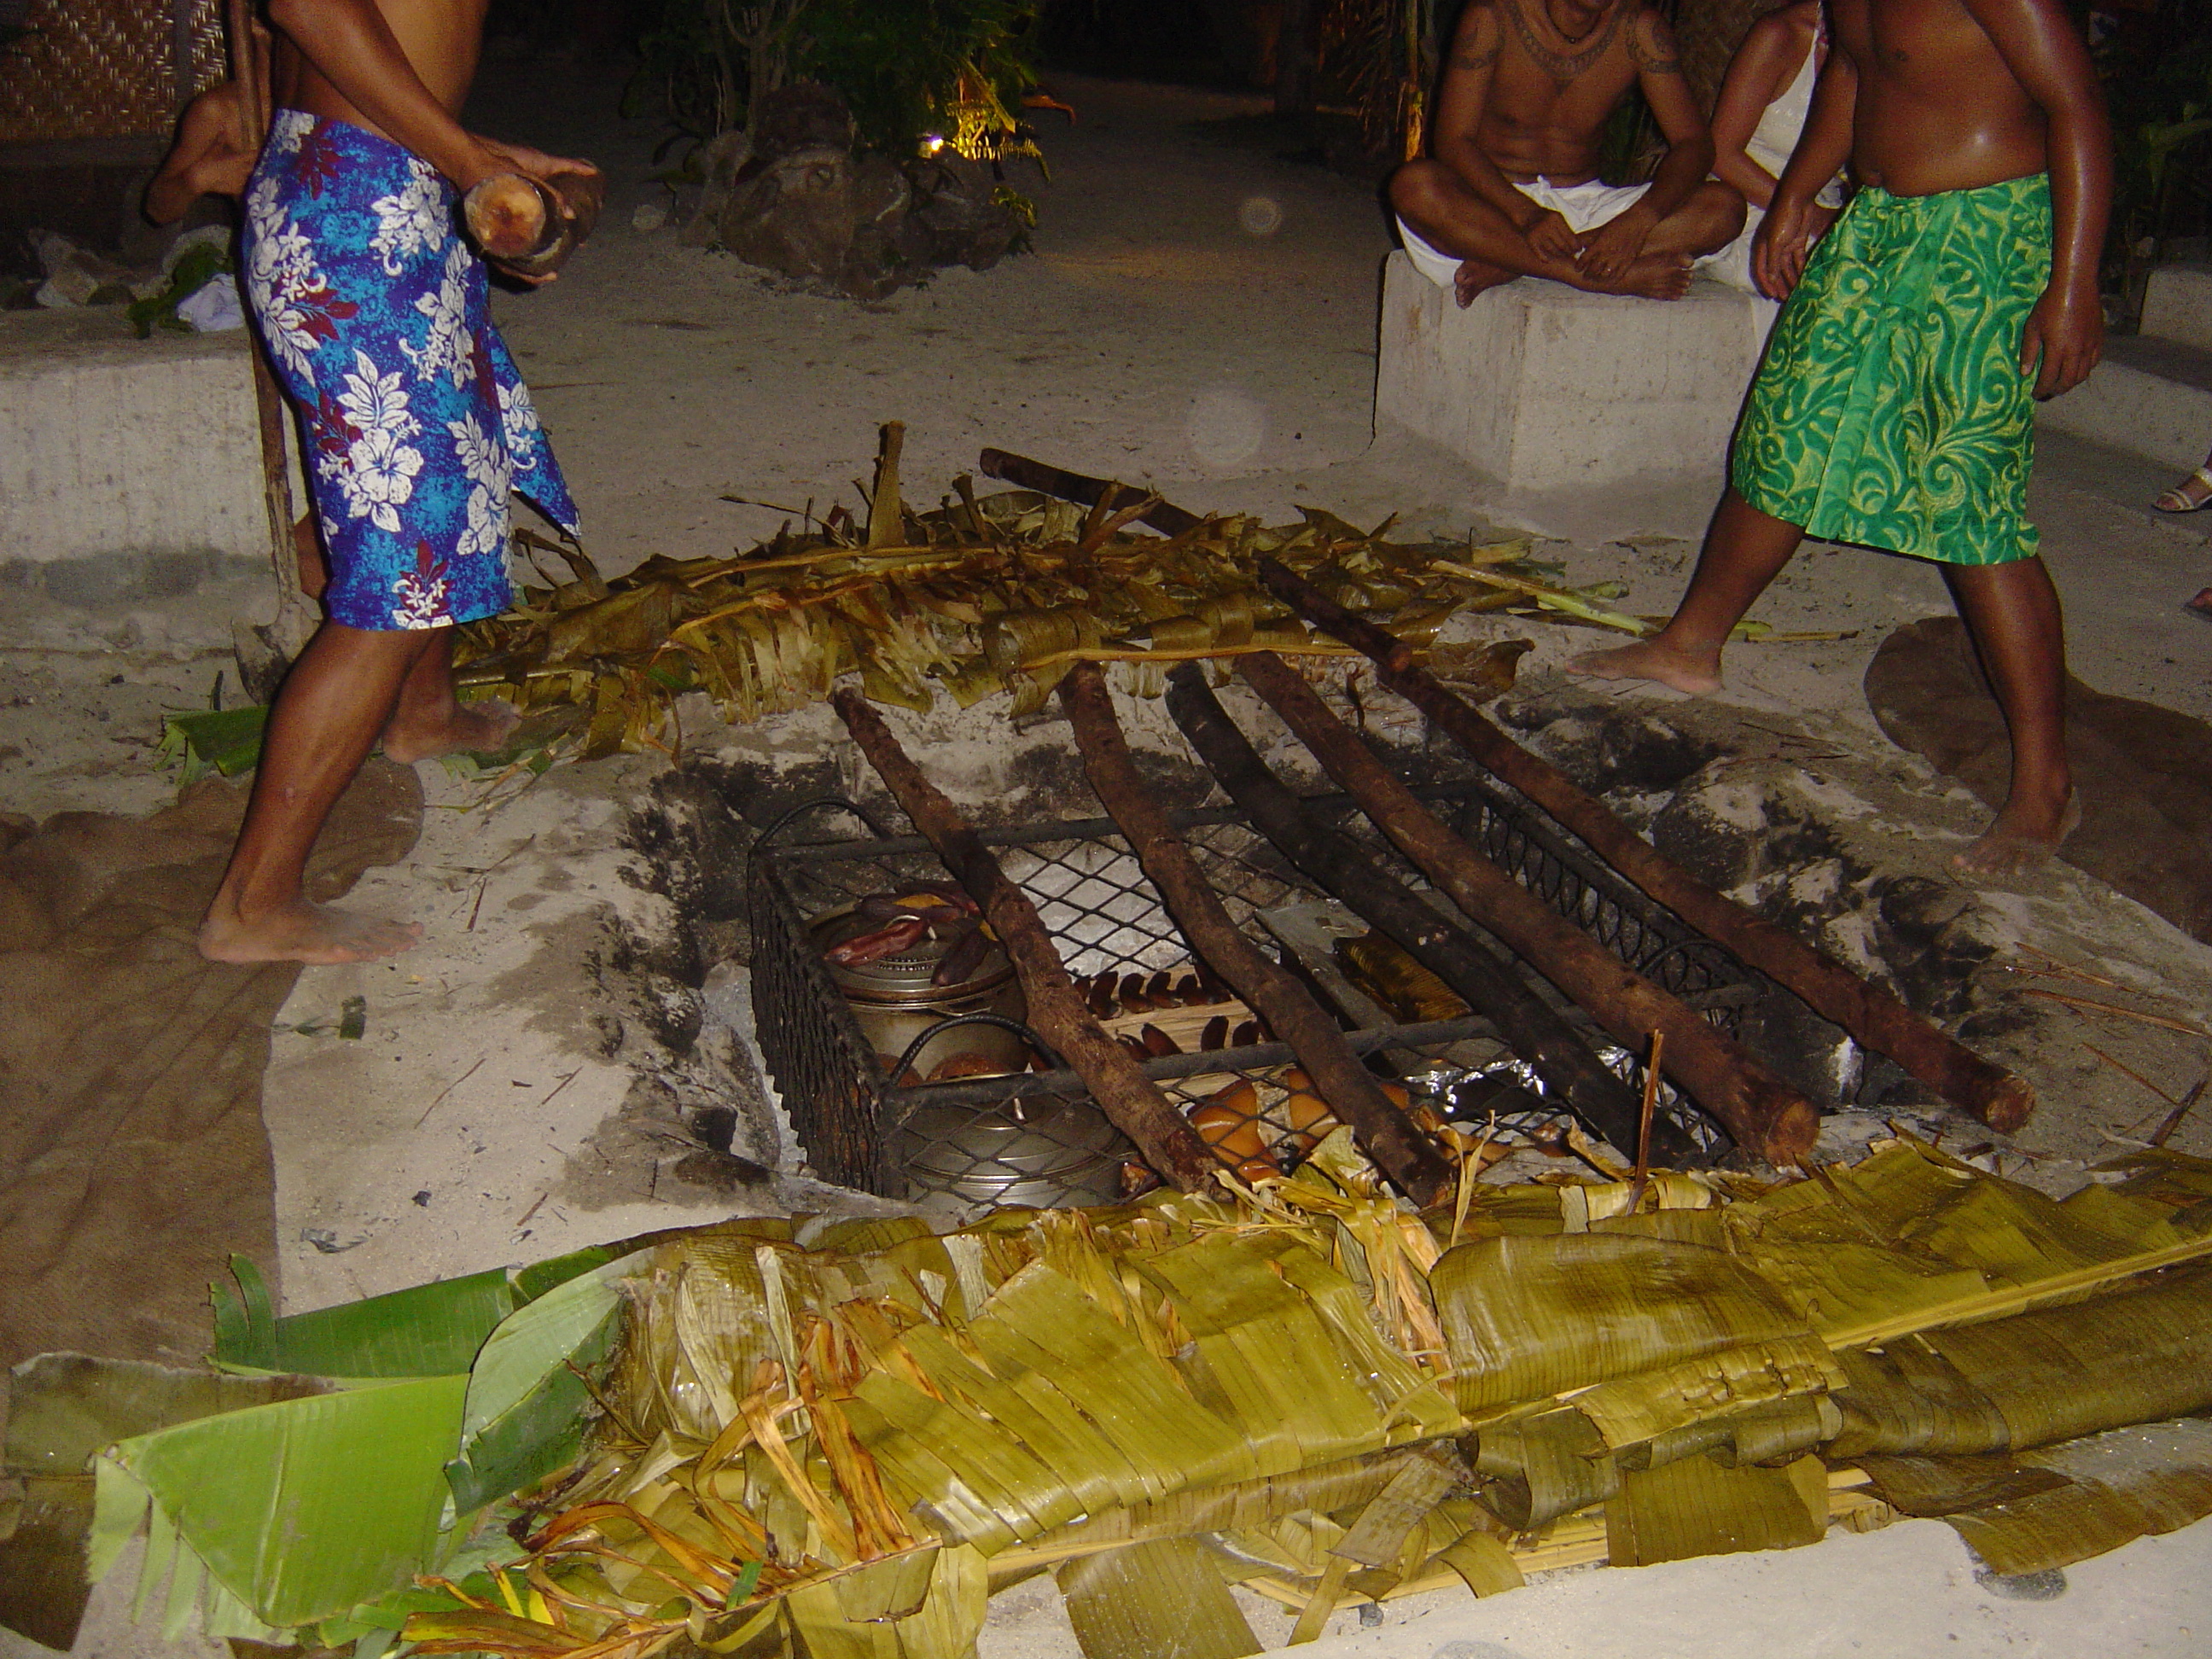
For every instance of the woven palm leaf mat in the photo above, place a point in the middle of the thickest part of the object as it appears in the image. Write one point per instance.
(2141, 770)
(133, 1160)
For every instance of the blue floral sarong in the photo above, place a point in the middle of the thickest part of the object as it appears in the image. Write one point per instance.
(417, 425)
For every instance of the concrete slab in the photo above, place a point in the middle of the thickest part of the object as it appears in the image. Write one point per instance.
(1553, 393)
(2178, 304)
(115, 445)
(2152, 397)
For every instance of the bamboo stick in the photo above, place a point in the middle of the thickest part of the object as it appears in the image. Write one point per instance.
(1574, 1074)
(1127, 1095)
(2002, 1099)
(1760, 1111)
(282, 638)
(1399, 1149)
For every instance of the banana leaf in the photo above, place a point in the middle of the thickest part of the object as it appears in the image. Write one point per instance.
(428, 1330)
(297, 1510)
(2064, 1503)
(1156, 1600)
(1694, 1507)
(63, 1408)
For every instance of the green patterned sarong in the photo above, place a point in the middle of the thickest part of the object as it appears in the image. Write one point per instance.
(1890, 410)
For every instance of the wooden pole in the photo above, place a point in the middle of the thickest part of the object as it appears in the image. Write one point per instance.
(1762, 1112)
(1399, 1150)
(1574, 1075)
(2000, 1098)
(1050, 480)
(1056, 1009)
(264, 652)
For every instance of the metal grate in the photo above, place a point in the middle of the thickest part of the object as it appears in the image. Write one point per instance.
(1037, 1138)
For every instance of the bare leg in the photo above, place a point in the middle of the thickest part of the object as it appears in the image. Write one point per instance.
(2012, 611)
(1436, 202)
(334, 701)
(1709, 220)
(427, 720)
(1744, 551)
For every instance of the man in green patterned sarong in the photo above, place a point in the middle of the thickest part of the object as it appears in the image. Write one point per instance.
(1894, 407)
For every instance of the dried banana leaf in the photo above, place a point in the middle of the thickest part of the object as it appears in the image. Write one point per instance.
(1695, 1507)
(1161, 1599)
(2065, 1503)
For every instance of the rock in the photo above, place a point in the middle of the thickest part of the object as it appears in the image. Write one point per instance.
(796, 199)
(824, 214)
(962, 223)
(648, 217)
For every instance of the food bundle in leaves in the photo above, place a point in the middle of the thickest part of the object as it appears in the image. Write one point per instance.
(842, 1438)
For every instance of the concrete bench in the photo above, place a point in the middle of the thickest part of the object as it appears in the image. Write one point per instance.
(2152, 393)
(1560, 398)
(125, 464)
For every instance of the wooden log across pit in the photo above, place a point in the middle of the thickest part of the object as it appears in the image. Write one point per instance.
(1399, 1149)
(2002, 1099)
(1761, 1112)
(1571, 1071)
(1049, 480)
(1128, 1097)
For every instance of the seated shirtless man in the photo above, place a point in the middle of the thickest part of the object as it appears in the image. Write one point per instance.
(1894, 408)
(416, 428)
(1511, 188)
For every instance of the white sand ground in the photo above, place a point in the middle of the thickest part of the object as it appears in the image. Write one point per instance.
(1151, 336)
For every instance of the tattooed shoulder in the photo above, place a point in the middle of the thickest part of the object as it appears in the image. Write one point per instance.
(1479, 40)
(1651, 45)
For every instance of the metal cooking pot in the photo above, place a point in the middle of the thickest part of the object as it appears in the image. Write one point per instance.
(895, 1001)
(1046, 1152)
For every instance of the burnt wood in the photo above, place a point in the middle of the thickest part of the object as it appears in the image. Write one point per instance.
(1760, 1111)
(1399, 1149)
(1573, 1074)
(2001, 1098)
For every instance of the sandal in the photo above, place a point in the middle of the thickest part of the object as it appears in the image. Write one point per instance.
(2182, 498)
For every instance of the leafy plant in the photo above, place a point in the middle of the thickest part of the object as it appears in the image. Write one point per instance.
(907, 70)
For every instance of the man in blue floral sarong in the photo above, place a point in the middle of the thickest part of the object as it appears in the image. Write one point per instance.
(416, 429)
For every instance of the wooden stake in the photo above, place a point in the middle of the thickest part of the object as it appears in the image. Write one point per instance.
(1644, 1121)
(1399, 1149)
(1574, 1074)
(1760, 1111)
(2002, 1099)
(264, 652)
(1056, 1009)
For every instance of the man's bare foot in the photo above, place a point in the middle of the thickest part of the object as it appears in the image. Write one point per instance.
(2202, 604)
(1475, 277)
(301, 931)
(2024, 837)
(1654, 277)
(472, 727)
(1648, 659)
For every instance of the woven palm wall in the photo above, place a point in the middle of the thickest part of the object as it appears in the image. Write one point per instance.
(105, 68)
(1707, 33)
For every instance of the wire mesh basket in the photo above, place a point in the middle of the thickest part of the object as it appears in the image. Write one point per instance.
(865, 1119)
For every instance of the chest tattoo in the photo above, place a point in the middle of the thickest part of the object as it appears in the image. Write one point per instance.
(1563, 67)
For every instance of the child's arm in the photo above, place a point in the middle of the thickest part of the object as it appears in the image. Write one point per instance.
(1793, 223)
(2065, 332)
(209, 158)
